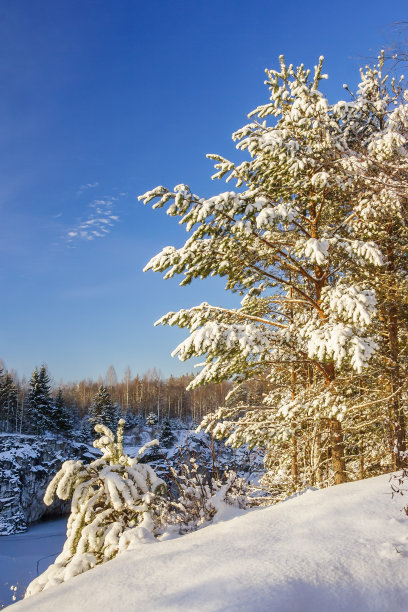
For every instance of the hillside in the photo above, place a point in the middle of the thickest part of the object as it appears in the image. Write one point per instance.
(338, 549)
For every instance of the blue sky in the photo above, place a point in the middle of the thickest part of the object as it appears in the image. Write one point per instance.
(101, 101)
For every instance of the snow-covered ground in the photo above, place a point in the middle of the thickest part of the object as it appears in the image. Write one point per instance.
(21, 553)
(338, 549)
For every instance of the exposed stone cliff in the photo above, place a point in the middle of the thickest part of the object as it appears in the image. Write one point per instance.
(27, 464)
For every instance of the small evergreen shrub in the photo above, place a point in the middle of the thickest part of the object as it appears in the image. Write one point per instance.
(116, 504)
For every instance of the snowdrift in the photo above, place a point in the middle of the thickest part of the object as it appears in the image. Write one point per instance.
(338, 549)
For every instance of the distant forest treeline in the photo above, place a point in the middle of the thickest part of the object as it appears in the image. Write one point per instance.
(149, 393)
(135, 395)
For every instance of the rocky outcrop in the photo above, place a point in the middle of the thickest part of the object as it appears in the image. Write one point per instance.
(27, 464)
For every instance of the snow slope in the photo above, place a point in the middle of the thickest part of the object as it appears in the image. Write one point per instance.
(338, 549)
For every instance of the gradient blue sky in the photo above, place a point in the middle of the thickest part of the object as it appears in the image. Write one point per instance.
(101, 100)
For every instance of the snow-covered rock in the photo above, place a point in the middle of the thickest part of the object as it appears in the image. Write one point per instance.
(27, 464)
(343, 549)
(246, 463)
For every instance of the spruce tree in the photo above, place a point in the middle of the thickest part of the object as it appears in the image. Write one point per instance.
(38, 406)
(8, 402)
(85, 430)
(102, 411)
(3, 402)
(152, 419)
(167, 437)
(62, 419)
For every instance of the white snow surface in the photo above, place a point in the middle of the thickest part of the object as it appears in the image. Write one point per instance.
(338, 549)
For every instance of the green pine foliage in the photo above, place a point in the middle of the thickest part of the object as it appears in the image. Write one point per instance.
(62, 418)
(38, 406)
(102, 410)
(84, 432)
(152, 419)
(314, 241)
(8, 403)
(116, 505)
(167, 437)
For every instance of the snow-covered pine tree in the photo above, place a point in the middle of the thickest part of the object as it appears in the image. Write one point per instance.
(102, 411)
(84, 433)
(38, 405)
(62, 419)
(298, 244)
(3, 402)
(8, 402)
(152, 419)
(116, 504)
(167, 437)
(377, 160)
(30, 424)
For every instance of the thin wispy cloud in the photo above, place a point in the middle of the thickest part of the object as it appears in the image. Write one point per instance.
(86, 186)
(98, 223)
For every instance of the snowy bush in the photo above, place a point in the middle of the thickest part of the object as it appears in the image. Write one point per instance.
(399, 485)
(201, 498)
(116, 504)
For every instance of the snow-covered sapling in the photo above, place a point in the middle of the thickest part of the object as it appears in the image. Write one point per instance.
(116, 504)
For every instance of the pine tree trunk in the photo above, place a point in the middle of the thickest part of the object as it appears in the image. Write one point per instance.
(398, 441)
(361, 462)
(318, 476)
(294, 465)
(213, 456)
(336, 439)
(398, 429)
(337, 450)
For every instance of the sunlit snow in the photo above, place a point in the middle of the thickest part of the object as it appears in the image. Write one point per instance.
(340, 549)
